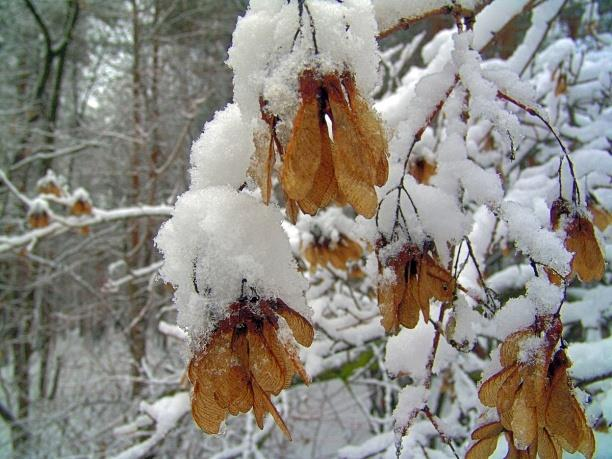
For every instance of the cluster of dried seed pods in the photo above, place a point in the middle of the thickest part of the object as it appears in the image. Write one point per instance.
(38, 217)
(588, 261)
(418, 277)
(538, 412)
(337, 151)
(81, 206)
(246, 360)
(422, 170)
(324, 251)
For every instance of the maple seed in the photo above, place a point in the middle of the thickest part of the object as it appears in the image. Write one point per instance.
(323, 252)
(588, 261)
(418, 278)
(318, 169)
(81, 207)
(422, 170)
(245, 362)
(537, 409)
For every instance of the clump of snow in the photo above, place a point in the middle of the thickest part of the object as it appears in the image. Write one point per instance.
(411, 400)
(493, 18)
(541, 298)
(533, 240)
(389, 13)
(216, 238)
(418, 341)
(222, 154)
(591, 359)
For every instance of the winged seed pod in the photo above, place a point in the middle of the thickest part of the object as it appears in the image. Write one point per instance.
(247, 359)
(324, 251)
(38, 215)
(588, 261)
(343, 165)
(417, 278)
(538, 412)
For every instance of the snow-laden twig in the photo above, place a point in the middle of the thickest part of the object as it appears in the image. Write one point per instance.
(64, 224)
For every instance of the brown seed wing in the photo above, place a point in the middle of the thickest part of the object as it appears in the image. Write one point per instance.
(266, 370)
(262, 163)
(280, 354)
(370, 128)
(510, 347)
(303, 332)
(324, 186)
(601, 217)
(587, 445)
(240, 393)
(588, 262)
(438, 281)
(563, 421)
(353, 168)
(240, 346)
(303, 155)
(262, 400)
(292, 209)
(352, 248)
(491, 429)
(489, 389)
(207, 414)
(505, 398)
(547, 448)
(482, 449)
(408, 311)
(390, 297)
(388, 308)
(524, 420)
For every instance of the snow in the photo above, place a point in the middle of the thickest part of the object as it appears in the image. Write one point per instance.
(411, 400)
(493, 18)
(533, 240)
(590, 360)
(222, 154)
(221, 237)
(418, 342)
(166, 412)
(391, 12)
